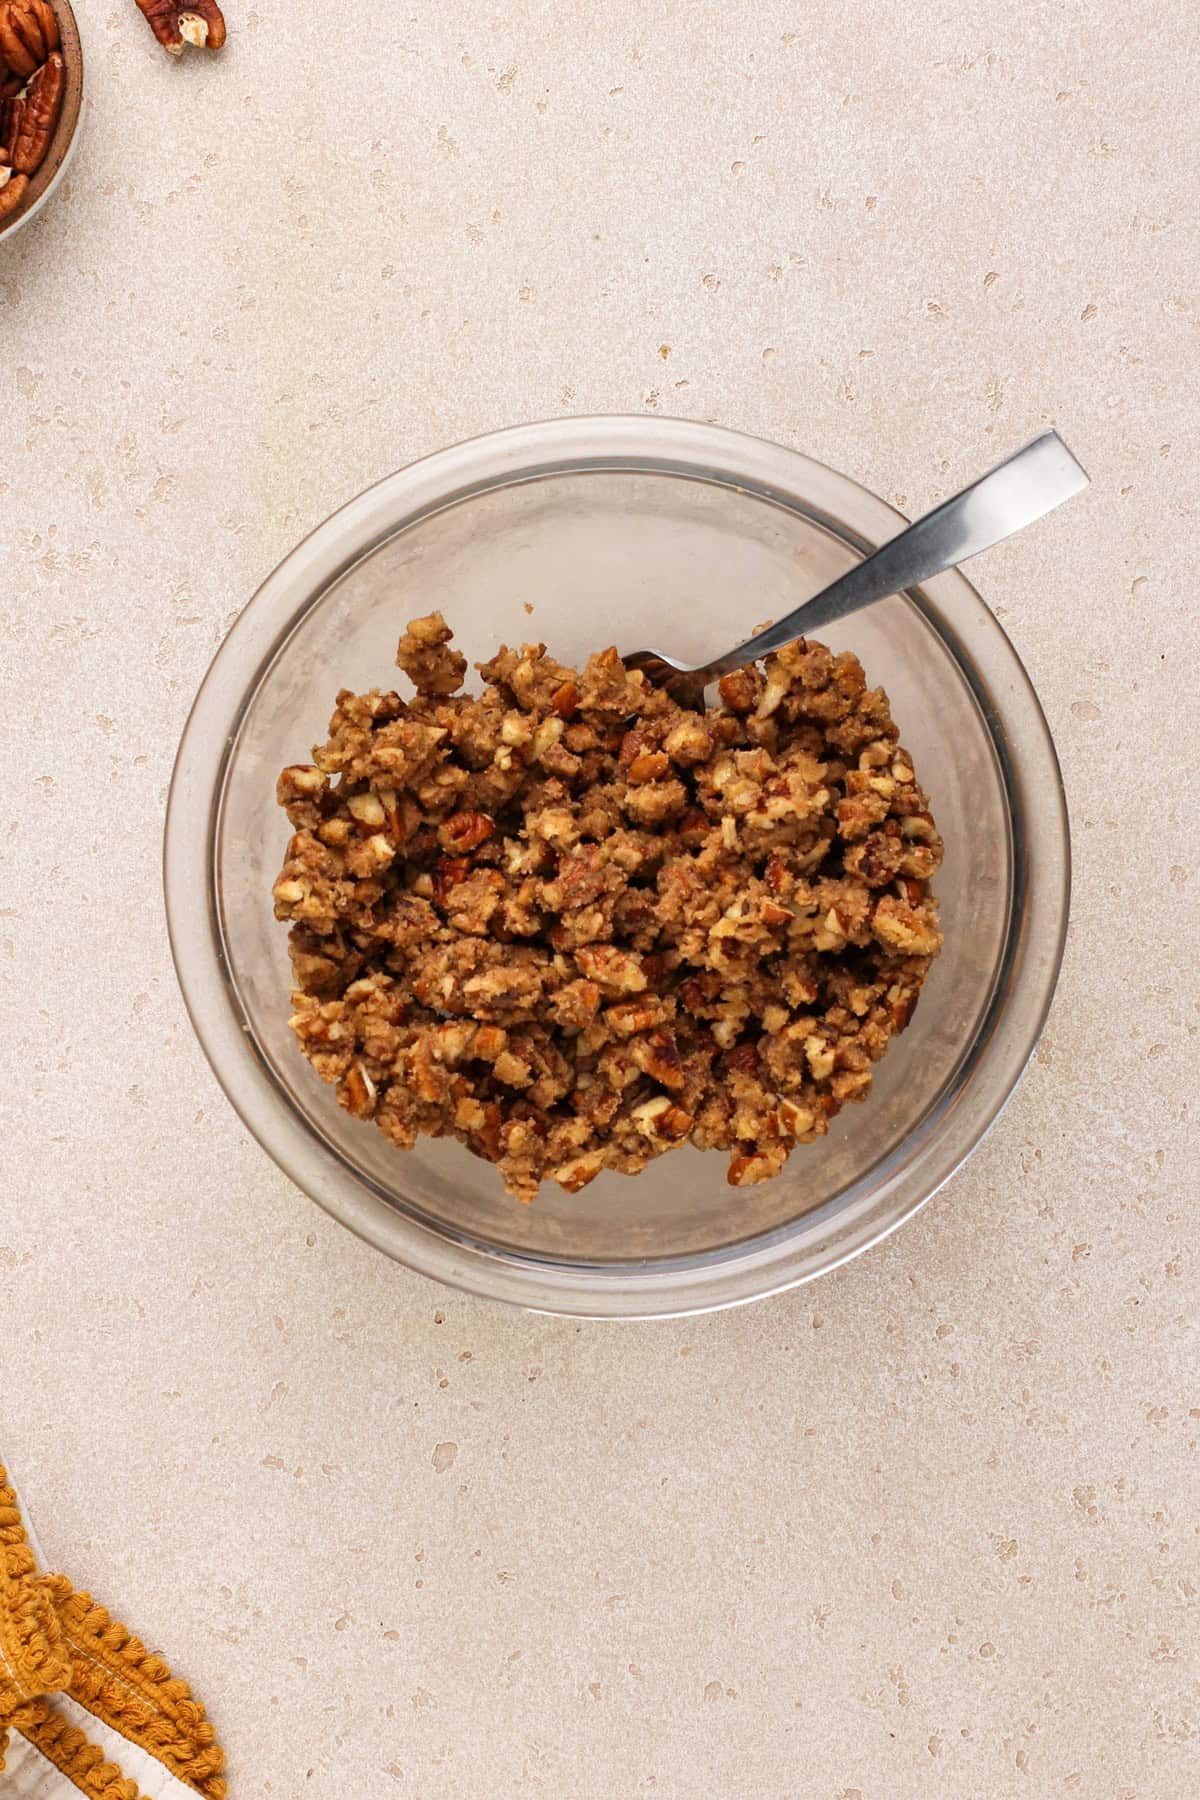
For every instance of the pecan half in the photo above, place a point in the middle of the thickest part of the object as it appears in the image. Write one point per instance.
(198, 22)
(28, 33)
(43, 103)
(12, 111)
(12, 193)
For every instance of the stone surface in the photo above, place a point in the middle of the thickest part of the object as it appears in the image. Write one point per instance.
(927, 1527)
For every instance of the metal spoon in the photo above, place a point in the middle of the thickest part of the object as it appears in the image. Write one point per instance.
(1014, 494)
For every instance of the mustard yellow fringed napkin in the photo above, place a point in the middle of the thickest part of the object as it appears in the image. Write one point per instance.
(84, 1707)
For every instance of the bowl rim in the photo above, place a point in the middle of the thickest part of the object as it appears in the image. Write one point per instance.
(1011, 713)
(69, 26)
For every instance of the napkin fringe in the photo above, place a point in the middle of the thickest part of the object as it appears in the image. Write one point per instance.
(55, 1639)
(81, 1761)
(133, 1690)
(34, 1658)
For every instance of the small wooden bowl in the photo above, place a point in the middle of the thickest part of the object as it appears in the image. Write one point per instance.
(43, 184)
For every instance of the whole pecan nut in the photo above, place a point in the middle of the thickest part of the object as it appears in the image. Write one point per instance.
(28, 33)
(179, 22)
(43, 102)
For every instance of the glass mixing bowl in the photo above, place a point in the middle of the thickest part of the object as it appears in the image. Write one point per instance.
(631, 532)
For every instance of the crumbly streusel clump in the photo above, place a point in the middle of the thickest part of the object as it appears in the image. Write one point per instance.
(575, 925)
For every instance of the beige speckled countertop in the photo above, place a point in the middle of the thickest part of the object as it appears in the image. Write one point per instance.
(926, 1528)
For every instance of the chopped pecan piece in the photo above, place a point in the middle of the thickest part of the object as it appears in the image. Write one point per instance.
(906, 929)
(739, 690)
(625, 1017)
(465, 831)
(661, 1118)
(616, 971)
(745, 1171)
(357, 1092)
(742, 1059)
(690, 742)
(300, 782)
(450, 872)
(649, 765)
(425, 656)
(576, 1005)
(576, 1174)
(658, 1056)
(367, 809)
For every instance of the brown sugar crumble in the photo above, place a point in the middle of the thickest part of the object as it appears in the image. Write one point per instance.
(575, 925)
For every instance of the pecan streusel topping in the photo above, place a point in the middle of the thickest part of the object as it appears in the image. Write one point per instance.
(575, 925)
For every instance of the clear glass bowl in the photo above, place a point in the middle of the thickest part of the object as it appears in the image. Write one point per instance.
(628, 531)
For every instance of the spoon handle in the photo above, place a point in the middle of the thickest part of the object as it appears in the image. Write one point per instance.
(1014, 494)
